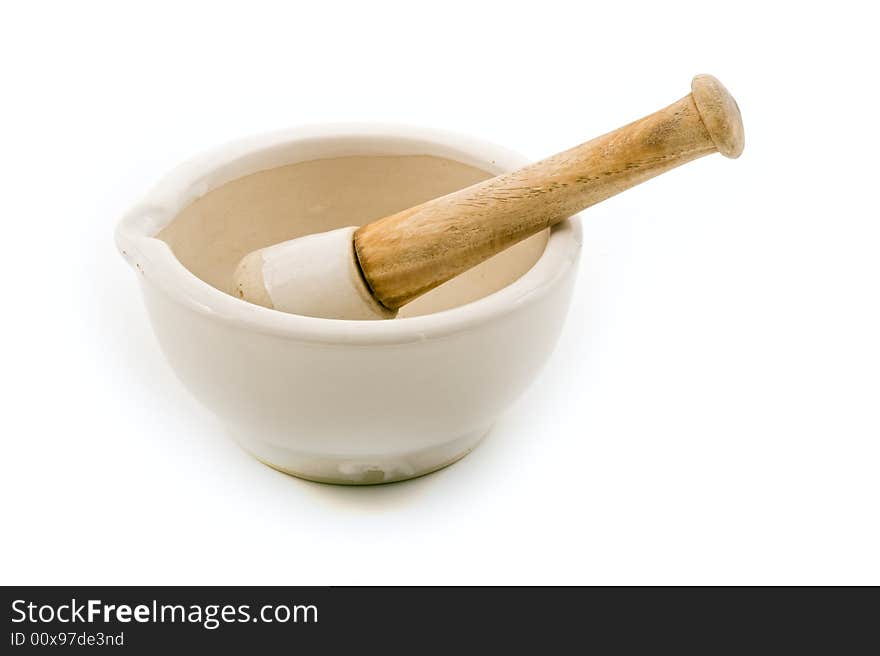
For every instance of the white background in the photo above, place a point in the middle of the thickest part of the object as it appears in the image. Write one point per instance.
(711, 412)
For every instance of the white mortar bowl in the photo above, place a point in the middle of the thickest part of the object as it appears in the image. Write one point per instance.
(352, 402)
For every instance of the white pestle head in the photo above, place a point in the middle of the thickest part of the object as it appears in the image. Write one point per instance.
(316, 275)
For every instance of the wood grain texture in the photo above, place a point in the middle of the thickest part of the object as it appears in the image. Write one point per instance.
(404, 255)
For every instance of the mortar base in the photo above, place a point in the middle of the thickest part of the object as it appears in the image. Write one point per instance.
(362, 470)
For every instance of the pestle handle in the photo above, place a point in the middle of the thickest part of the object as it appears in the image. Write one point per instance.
(404, 255)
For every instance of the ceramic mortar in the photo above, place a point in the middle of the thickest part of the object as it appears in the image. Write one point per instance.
(353, 402)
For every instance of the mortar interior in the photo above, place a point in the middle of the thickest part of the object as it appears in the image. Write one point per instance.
(213, 233)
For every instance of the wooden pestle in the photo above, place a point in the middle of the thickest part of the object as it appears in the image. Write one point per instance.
(402, 256)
